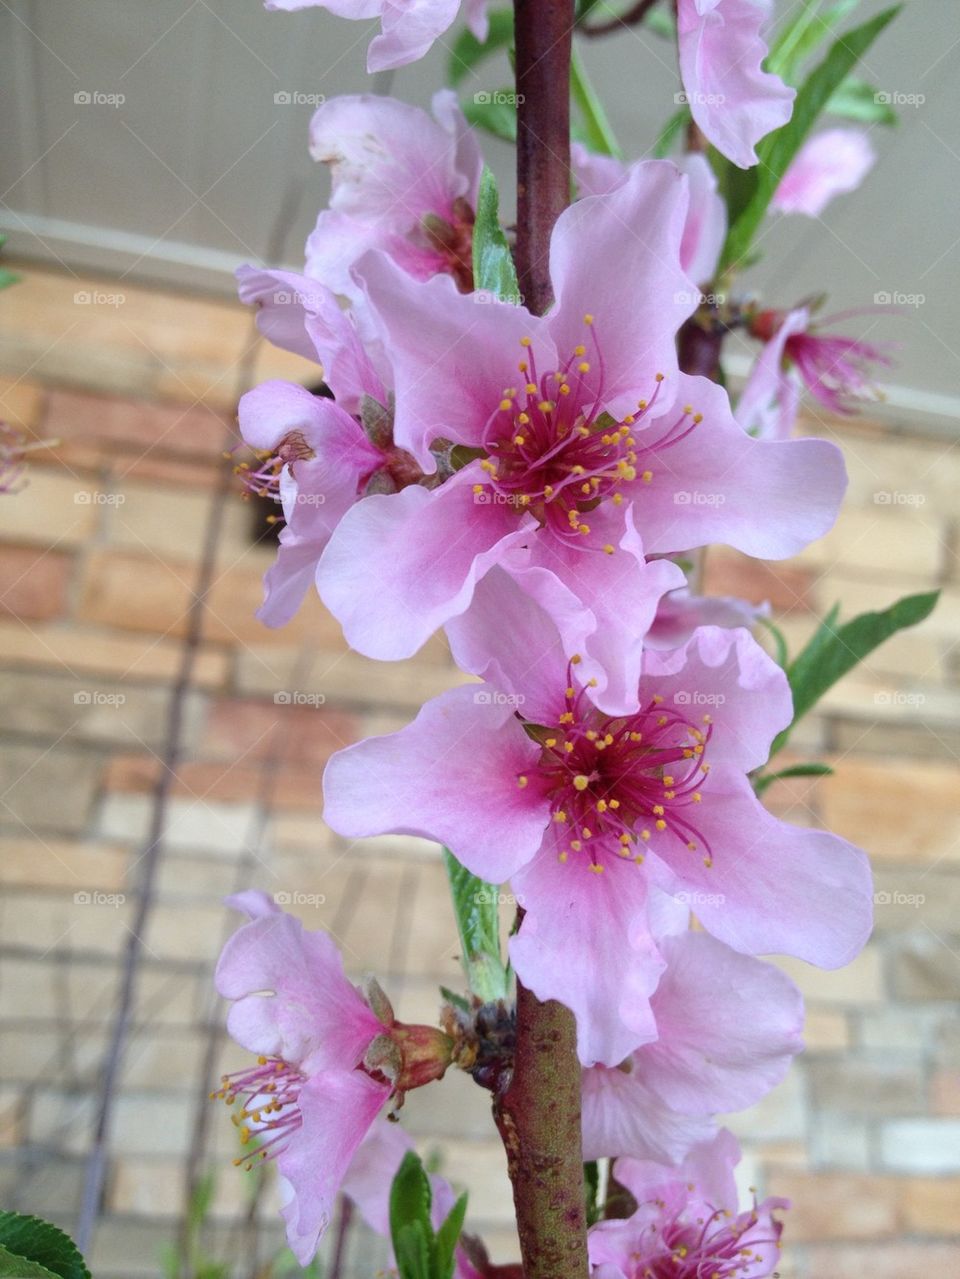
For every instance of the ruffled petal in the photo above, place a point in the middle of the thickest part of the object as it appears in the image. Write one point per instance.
(622, 1116)
(451, 775)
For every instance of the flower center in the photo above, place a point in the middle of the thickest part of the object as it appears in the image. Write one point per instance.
(268, 1094)
(263, 478)
(709, 1245)
(553, 450)
(612, 783)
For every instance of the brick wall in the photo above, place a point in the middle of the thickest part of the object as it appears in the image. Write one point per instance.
(98, 559)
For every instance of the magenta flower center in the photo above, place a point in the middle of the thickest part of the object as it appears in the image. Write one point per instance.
(263, 479)
(612, 783)
(711, 1246)
(553, 449)
(269, 1112)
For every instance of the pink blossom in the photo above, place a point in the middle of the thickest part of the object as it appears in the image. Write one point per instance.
(326, 1061)
(687, 1224)
(680, 612)
(706, 225)
(592, 447)
(731, 98)
(402, 182)
(408, 28)
(584, 812)
(836, 370)
(828, 164)
(727, 1028)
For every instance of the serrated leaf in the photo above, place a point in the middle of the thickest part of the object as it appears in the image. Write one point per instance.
(41, 1243)
(14, 1267)
(836, 649)
(858, 100)
(411, 1247)
(476, 907)
(761, 783)
(778, 149)
(410, 1196)
(447, 1238)
(468, 51)
(494, 113)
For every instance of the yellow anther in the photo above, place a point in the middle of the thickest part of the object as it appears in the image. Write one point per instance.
(478, 488)
(570, 690)
(691, 845)
(550, 743)
(698, 418)
(568, 746)
(564, 389)
(506, 405)
(576, 659)
(644, 834)
(576, 845)
(548, 490)
(609, 737)
(523, 418)
(617, 499)
(581, 781)
(657, 699)
(601, 806)
(597, 869)
(579, 350)
(560, 816)
(647, 476)
(588, 318)
(561, 857)
(668, 781)
(658, 809)
(688, 408)
(614, 803)
(546, 406)
(583, 366)
(566, 717)
(519, 440)
(659, 377)
(583, 528)
(522, 780)
(608, 549)
(524, 341)
(696, 797)
(531, 388)
(660, 824)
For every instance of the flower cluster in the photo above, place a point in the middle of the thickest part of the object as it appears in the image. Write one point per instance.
(536, 486)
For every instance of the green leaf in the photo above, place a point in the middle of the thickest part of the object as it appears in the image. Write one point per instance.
(781, 656)
(591, 1191)
(670, 132)
(29, 1240)
(14, 1267)
(468, 51)
(476, 907)
(837, 649)
(777, 150)
(761, 783)
(660, 23)
(458, 1001)
(447, 1238)
(801, 36)
(494, 113)
(598, 132)
(858, 100)
(410, 1228)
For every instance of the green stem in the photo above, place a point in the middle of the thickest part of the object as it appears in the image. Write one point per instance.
(599, 131)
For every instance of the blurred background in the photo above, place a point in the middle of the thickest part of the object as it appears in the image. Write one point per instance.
(155, 734)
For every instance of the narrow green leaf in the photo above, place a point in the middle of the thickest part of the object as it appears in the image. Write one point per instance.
(591, 1191)
(781, 656)
(598, 132)
(476, 907)
(467, 51)
(761, 783)
(778, 149)
(836, 649)
(40, 1243)
(493, 269)
(458, 1001)
(670, 132)
(858, 100)
(410, 1230)
(495, 113)
(802, 35)
(661, 23)
(447, 1238)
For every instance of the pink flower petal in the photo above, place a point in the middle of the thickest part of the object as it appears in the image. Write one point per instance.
(451, 775)
(622, 1116)
(830, 163)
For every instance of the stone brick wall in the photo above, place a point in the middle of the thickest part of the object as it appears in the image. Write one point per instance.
(98, 561)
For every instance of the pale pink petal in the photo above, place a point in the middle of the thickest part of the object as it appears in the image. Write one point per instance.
(585, 941)
(617, 257)
(830, 163)
(733, 100)
(283, 299)
(728, 1026)
(724, 675)
(623, 1116)
(453, 354)
(709, 1166)
(595, 174)
(292, 998)
(681, 612)
(767, 498)
(371, 1172)
(452, 775)
(767, 408)
(773, 888)
(401, 565)
(337, 1108)
(342, 8)
(409, 29)
(706, 227)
